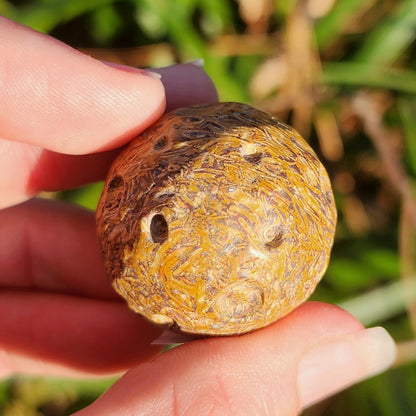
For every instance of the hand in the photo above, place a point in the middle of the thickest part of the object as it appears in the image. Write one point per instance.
(63, 116)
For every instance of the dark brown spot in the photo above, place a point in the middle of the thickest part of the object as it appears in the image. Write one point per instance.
(116, 182)
(275, 241)
(159, 229)
(254, 158)
(160, 144)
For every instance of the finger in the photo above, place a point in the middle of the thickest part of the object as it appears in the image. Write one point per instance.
(46, 333)
(255, 374)
(25, 170)
(57, 98)
(57, 327)
(50, 245)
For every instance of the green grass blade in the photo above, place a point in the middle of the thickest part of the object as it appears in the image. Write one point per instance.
(387, 41)
(407, 111)
(364, 75)
(331, 25)
(192, 46)
(44, 17)
(7, 9)
(381, 304)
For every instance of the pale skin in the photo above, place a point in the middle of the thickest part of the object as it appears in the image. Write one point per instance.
(58, 312)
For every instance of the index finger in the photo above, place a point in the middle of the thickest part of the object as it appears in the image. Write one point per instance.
(57, 98)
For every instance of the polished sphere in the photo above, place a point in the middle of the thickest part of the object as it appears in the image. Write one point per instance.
(217, 220)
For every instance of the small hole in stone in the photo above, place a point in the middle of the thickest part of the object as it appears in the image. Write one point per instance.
(158, 229)
(116, 182)
(253, 158)
(275, 241)
(160, 144)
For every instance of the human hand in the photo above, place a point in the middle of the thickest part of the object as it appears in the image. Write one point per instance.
(310, 354)
(58, 313)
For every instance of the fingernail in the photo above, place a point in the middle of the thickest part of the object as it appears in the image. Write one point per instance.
(197, 62)
(337, 365)
(132, 69)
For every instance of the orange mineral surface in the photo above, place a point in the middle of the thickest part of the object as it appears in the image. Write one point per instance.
(217, 220)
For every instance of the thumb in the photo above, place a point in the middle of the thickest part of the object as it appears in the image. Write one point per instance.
(57, 98)
(315, 351)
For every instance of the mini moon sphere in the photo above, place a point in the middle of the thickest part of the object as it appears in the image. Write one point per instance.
(217, 220)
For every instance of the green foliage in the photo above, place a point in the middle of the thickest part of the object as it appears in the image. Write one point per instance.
(386, 42)
(328, 28)
(363, 46)
(407, 110)
(45, 15)
(357, 74)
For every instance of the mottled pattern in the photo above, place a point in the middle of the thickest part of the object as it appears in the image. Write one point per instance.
(217, 220)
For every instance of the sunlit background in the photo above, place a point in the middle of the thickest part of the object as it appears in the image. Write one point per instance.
(342, 72)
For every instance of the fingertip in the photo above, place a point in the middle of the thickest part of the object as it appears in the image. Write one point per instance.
(120, 103)
(333, 366)
(59, 99)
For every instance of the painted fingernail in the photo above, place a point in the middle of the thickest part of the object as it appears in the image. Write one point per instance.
(197, 62)
(126, 68)
(332, 367)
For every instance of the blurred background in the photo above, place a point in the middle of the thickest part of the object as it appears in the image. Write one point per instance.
(343, 73)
